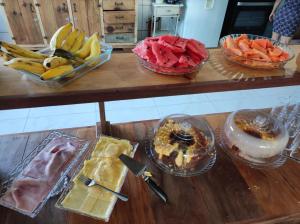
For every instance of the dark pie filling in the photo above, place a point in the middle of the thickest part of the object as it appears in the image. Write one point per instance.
(182, 138)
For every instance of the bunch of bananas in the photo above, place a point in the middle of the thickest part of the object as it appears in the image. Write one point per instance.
(51, 66)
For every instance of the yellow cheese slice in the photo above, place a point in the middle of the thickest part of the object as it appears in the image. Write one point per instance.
(110, 147)
(106, 169)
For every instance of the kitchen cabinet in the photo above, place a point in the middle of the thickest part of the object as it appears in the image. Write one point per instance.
(53, 14)
(23, 21)
(119, 17)
(86, 15)
(120, 22)
(118, 5)
(33, 22)
(119, 28)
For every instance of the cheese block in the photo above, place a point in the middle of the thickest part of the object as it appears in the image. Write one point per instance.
(106, 169)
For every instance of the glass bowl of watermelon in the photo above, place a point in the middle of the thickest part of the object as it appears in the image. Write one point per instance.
(171, 55)
(255, 51)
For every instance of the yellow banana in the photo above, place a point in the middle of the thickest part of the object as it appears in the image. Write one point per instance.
(15, 49)
(86, 49)
(54, 62)
(95, 50)
(14, 55)
(70, 40)
(6, 56)
(26, 65)
(55, 72)
(59, 36)
(37, 60)
(78, 43)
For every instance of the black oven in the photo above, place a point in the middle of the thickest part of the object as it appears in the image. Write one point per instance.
(248, 16)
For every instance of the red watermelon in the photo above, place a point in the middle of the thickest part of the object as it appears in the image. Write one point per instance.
(168, 39)
(175, 44)
(164, 55)
(171, 53)
(197, 48)
(144, 51)
(181, 43)
(186, 59)
(151, 39)
(182, 65)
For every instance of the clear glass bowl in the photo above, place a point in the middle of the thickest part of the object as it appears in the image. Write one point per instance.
(256, 138)
(183, 145)
(78, 72)
(56, 181)
(170, 70)
(253, 63)
(105, 212)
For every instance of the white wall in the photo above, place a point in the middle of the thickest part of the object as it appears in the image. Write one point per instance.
(204, 24)
(4, 35)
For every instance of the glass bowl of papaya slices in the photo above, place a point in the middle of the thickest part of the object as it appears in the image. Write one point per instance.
(255, 51)
(171, 55)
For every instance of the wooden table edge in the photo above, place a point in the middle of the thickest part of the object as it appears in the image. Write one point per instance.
(75, 97)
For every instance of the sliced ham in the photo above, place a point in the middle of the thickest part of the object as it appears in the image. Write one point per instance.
(30, 188)
(52, 160)
(26, 193)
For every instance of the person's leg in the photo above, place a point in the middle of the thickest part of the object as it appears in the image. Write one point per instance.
(275, 36)
(285, 39)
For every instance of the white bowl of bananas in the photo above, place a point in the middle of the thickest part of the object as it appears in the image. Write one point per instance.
(69, 56)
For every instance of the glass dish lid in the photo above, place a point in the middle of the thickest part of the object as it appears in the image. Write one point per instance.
(255, 138)
(183, 145)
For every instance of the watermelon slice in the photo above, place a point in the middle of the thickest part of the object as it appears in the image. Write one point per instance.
(182, 65)
(171, 54)
(151, 39)
(168, 39)
(187, 59)
(181, 43)
(170, 42)
(173, 48)
(164, 56)
(144, 51)
(195, 57)
(197, 48)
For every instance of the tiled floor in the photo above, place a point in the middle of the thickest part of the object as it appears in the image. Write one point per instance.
(45, 118)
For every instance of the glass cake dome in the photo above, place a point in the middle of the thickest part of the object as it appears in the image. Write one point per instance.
(256, 138)
(183, 145)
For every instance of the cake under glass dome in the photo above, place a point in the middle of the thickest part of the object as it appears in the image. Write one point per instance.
(183, 145)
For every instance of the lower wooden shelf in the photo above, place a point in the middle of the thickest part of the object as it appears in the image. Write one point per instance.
(230, 192)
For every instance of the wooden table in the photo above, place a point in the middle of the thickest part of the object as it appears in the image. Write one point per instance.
(230, 192)
(124, 78)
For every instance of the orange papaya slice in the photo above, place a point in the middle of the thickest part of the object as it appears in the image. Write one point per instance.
(256, 46)
(262, 55)
(230, 43)
(275, 52)
(262, 42)
(243, 45)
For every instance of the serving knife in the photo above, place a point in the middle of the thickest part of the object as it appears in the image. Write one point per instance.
(139, 169)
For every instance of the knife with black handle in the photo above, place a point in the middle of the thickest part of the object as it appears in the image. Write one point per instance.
(138, 169)
(156, 189)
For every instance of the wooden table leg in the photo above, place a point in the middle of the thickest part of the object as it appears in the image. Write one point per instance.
(104, 124)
